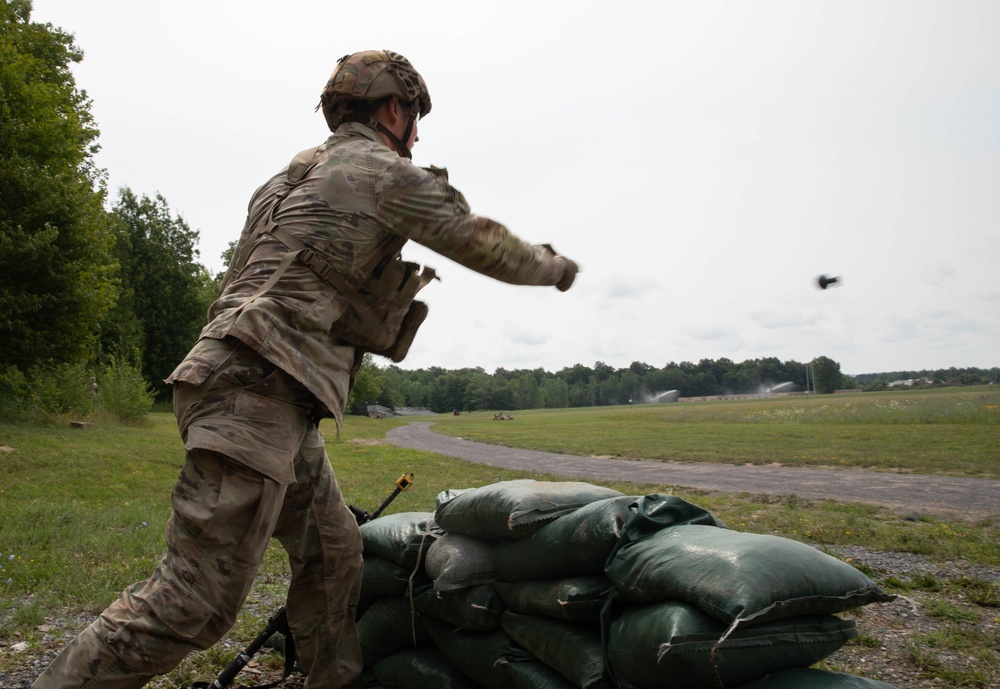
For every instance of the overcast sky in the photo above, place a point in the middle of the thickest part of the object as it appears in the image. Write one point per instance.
(704, 162)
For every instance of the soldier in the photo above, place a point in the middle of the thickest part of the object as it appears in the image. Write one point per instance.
(316, 280)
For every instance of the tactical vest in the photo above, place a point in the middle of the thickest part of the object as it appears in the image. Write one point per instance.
(383, 316)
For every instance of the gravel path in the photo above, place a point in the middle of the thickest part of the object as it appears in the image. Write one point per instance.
(922, 494)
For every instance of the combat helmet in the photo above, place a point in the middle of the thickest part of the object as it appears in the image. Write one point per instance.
(368, 76)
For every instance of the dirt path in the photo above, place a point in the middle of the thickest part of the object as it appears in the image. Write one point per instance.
(918, 493)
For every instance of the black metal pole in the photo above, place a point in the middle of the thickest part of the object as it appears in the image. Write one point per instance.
(277, 623)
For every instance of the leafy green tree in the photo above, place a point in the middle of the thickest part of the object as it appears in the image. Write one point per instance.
(56, 268)
(394, 384)
(827, 373)
(640, 369)
(124, 392)
(526, 391)
(554, 394)
(165, 293)
(367, 386)
(576, 374)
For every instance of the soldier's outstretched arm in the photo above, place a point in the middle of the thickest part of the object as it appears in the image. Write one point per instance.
(422, 206)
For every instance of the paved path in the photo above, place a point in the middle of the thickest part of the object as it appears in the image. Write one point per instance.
(907, 492)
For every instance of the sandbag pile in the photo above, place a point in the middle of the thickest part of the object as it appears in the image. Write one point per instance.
(555, 585)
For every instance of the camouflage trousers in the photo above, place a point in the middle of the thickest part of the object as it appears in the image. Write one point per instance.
(256, 467)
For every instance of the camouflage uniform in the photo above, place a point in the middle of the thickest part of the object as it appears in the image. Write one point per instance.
(246, 399)
(358, 198)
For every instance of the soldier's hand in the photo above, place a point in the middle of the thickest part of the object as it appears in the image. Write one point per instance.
(570, 269)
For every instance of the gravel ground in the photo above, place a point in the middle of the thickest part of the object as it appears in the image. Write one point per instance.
(891, 629)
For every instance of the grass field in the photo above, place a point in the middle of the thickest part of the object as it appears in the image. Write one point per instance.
(930, 431)
(84, 510)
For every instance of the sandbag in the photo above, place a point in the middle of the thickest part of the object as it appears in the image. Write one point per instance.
(455, 561)
(379, 579)
(420, 668)
(389, 625)
(483, 656)
(514, 509)
(575, 544)
(400, 538)
(571, 648)
(736, 577)
(580, 543)
(805, 678)
(578, 599)
(653, 513)
(674, 645)
(477, 608)
(537, 675)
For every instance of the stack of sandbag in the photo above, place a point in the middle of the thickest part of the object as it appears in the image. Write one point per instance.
(555, 585)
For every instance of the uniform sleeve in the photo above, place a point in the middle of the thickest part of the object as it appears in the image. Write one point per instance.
(421, 205)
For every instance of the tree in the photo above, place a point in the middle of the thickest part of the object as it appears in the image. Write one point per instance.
(367, 386)
(56, 268)
(827, 375)
(164, 294)
(555, 393)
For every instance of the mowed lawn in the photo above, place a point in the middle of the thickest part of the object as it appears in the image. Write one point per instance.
(951, 431)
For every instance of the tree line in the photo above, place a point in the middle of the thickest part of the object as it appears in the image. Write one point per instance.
(471, 389)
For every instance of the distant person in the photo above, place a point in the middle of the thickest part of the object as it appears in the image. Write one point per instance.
(285, 339)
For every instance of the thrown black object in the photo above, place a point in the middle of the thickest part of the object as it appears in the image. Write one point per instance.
(825, 282)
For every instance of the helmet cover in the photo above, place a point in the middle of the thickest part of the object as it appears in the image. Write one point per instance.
(368, 76)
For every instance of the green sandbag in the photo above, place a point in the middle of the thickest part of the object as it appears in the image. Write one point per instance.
(674, 645)
(738, 577)
(380, 578)
(366, 680)
(573, 649)
(814, 679)
(537, 675)
(456, 561)
(389, 625)
(482, 656)
(579, 543)
(653, 513)
(575, 544)
(420, 668)
(401, 537)
(477, 608)
(578, 599)
(514, 509)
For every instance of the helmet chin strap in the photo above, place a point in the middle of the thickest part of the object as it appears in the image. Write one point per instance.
(378, 126)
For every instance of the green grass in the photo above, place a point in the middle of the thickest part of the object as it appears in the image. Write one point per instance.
(950, 431)
(84, 512)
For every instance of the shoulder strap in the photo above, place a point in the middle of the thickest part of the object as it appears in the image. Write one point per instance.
(300, 165)
(297, 169)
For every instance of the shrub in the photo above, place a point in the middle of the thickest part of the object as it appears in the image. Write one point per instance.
(14, 405)
(60, 389)
(44, 391)
(124, 392)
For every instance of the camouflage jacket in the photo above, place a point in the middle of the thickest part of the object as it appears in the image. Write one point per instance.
(357, 198)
